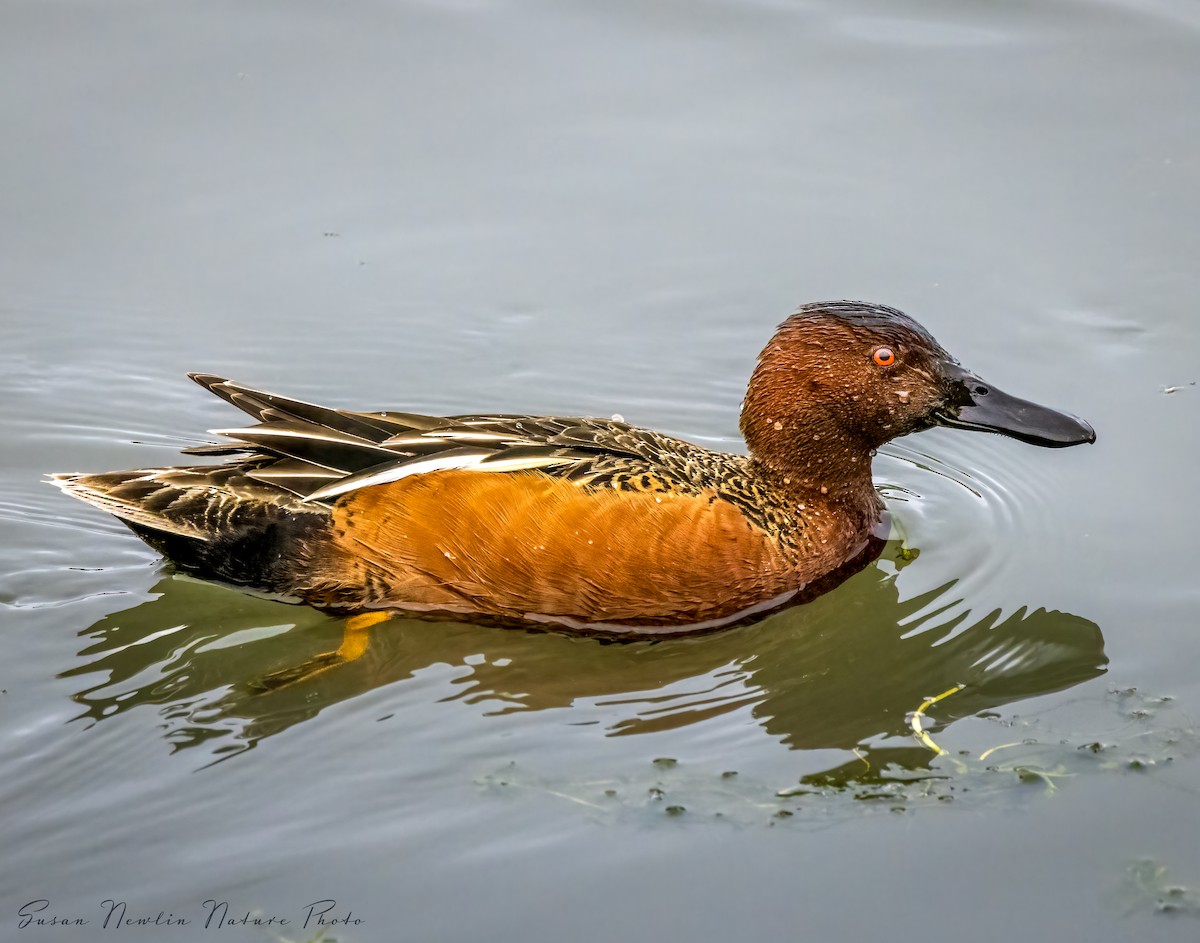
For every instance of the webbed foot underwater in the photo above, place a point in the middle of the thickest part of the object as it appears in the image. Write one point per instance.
(588, 524)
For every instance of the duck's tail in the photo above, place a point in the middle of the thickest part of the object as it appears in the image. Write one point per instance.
(140, 498)
(211, 520)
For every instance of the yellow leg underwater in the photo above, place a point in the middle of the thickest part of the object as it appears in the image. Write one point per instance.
(355, 639)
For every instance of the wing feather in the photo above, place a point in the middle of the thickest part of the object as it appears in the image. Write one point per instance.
(320, 454)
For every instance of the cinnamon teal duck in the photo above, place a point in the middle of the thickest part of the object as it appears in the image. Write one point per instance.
(590, 524)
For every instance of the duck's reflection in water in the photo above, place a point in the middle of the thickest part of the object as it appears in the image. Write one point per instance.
(837, 672)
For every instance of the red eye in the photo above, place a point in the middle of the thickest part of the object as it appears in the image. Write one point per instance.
(884, 356)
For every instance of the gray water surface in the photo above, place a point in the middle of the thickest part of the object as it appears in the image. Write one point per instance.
(594, 209)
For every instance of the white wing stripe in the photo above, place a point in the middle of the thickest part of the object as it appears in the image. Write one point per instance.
(395, 473)
(313, 472)
(455, 435)
(437, 463)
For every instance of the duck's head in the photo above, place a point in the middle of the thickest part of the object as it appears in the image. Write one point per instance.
(841, 378)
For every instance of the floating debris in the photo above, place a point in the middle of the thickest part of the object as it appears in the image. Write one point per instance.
(889, 775)
(1148, 888)
(919, 713)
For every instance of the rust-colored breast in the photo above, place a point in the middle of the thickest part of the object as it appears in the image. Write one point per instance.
(529, 545)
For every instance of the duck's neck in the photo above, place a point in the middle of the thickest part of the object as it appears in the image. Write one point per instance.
(845, 488)
(803, 445)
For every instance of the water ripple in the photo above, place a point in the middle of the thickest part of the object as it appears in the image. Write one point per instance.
(974, 520)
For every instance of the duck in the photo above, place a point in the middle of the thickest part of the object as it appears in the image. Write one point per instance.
(590, 525)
